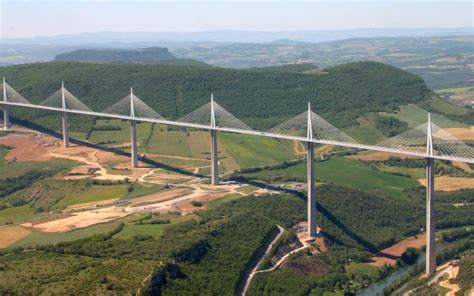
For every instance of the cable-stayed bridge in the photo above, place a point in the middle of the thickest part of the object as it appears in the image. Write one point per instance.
(428, 140)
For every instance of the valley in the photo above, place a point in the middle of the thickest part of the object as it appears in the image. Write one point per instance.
(85, 206)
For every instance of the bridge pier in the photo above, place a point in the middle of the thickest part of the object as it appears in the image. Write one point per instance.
(133, 143)
(430, 223)
(312, 226)
(6, 118)
(6, 115)
(214, 159)
(65, 123)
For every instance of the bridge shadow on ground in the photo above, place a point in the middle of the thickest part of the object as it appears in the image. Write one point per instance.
(148, 161)
(326, 213)
(321, 209)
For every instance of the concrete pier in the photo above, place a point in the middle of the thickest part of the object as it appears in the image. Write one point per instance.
(214, 159)
(430, 222)
(6, 118)
(65, 129)
(133, 143)
(312, 226)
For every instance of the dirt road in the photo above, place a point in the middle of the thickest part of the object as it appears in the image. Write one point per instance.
(253, 271)
(452, 272)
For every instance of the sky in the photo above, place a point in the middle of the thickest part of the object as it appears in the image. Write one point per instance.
(30, 18)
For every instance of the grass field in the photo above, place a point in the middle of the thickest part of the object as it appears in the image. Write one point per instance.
(355, 268)
(365, 132)
(235, 151)
(130, 231)
(18, 168)
(251, 151)
(447, 108)
(415, 173)
(19, 214)
(92, 194)
(352, 173)
(174, 142)
(119, 136)
(455, 90)
(3, 153)
(414, 116)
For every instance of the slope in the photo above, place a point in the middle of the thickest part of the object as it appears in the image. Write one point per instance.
(262, 98)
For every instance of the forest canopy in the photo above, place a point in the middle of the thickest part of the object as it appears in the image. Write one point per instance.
(260, 97)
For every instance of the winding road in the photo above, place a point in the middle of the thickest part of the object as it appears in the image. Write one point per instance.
(254, 270)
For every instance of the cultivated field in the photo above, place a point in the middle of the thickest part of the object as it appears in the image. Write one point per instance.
(397, 250)
(445, 183)
(11, 234)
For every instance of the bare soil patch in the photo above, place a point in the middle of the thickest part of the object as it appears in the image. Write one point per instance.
(324, 149)
(445, 183)
(452, 274)
(11, 234)
(186, 207)
(298, 148)
(377, 156)
(92, 205)
(81, 220)
(159, 197)
(465, 134)
(29, 147)
(463, 166)
(397, 250)
(162, 175)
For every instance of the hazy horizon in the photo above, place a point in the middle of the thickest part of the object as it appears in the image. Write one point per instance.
(29, 19)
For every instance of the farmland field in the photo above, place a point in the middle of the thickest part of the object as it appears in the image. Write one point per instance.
(414, 116)
(120, 136)
(19, 214)
(92, 194)
(16, 168)
(365, 132)
(129, 231)
(251, 151)
(345, 171)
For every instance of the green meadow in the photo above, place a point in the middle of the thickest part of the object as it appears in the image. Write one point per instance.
(251, 151)
(365, 132)
(348, 172)
(414, 116)
(93, 194)
(19, 214)
(18, 168)
(121, 134)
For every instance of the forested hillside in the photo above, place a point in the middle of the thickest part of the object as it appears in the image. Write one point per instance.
(151, 55)
(261, 97)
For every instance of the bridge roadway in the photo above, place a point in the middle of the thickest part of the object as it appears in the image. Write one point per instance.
(240, 131)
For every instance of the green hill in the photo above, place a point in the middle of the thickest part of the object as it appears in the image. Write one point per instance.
(260, 97)
(152, 55)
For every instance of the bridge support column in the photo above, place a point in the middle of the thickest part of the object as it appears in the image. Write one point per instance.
(6, 118)
(312, 226)
(65, 129)
(214, 159)
(133, 143)
(430, 223)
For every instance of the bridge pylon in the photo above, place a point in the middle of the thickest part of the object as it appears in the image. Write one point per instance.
(214, 151)
(133, 133)
(64, 118)
(430, 196)
(6, 115)
(311, 187)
